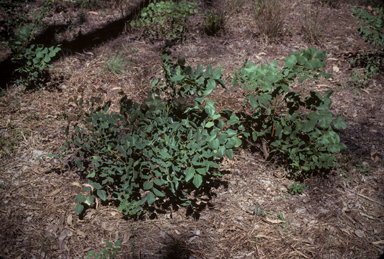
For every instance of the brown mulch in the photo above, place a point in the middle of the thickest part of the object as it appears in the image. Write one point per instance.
(339, 215)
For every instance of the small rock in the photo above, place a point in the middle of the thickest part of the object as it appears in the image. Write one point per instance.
(359, 233)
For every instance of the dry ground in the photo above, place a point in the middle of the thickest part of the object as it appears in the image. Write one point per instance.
(339, 215)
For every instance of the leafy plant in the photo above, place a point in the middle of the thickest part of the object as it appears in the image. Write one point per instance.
(156, 150)
(371, 29)
(214, 21)
(111, 251)
(300, 130)
(281, 217)
(297, 188)
(269, 16)
(258, 210)
(13, 16)
(359, 79)
(31, 60)
(364, 169)
(164, 20)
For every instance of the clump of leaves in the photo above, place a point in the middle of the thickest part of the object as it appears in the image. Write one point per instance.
(371, 29)
(214, 21)
(32, 60)
(296, 188)
(300, 130)
(165, 20)
(111, 251)
(156, 150)
(364, 169)
(359, 79)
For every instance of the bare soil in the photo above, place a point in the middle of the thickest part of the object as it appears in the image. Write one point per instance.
(339, 215)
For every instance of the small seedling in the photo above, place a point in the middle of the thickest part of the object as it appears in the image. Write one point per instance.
(257, 210)
(297, 188)
(364, 169)
(281, 217)
(111, 251)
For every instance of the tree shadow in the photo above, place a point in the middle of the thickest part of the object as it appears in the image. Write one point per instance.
(80, 43)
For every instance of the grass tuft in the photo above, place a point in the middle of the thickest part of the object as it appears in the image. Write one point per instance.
(269, 16)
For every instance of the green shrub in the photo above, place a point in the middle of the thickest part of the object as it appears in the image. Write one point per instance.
(300, 130)
(165, 147)
(269, 16)
(164, 20)
(159, 149)
(371, 29)
(31, 60)
(13, 16)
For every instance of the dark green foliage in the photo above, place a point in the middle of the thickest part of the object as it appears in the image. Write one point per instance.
(111, 251)
(214, 21)
(17, 35)
(161, 149)
(163, 20)
(297, 188)
(158, 149)
(301, 130)
(371, 29)
(32, 59)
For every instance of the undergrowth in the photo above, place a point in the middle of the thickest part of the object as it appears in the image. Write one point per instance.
(157, 152)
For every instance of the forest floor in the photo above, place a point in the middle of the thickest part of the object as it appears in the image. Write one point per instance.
(340, 214)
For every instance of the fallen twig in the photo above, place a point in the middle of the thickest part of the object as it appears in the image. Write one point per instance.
(365, 197)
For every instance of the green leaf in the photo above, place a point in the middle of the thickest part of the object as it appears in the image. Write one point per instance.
(151, 198)
(211, 84)
(308, 125)
(158, 193)
(95, 185)
(197, 180)
(209, 124)
(119, 242)
(190, 172)
(290, 61)
(147, 185)
(80, 198)
(102, 194)
(209, 108)
(91, 199)
(339, 123)
(108, 244)
(231, 132)
(303, 78)
(79, 164)
(158, 182)
(79, 208)
(325, 121)
(229, 153)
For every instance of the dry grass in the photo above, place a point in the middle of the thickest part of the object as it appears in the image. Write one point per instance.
(315, 24)
(269, 16)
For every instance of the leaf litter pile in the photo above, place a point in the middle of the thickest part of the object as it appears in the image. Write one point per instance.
(249, 212)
